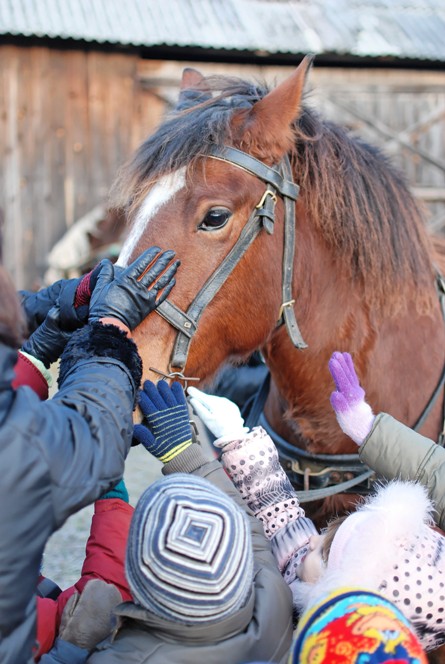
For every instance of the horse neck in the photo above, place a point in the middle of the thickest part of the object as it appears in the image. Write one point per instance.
(388, 351)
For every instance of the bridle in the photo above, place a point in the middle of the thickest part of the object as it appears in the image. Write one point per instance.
(279, 182)
(318, 475)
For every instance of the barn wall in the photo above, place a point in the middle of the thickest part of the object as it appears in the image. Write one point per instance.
(69, 119)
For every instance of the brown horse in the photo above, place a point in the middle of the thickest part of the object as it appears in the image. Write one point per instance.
(364, 267)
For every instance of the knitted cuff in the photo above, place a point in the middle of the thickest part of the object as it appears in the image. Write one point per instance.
(118, 491)
(30, 371)
(188, 461)
(83, 291)
(39, 366)
(97, 340)
(357, 421)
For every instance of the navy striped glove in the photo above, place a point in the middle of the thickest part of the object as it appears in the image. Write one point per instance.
(167, 431)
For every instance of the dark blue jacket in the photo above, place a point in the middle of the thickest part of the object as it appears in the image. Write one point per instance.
(56, 457)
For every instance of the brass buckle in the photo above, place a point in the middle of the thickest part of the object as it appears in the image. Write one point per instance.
(290, 303)
(267, 193)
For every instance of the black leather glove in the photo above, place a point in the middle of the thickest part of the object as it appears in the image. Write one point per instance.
(136, 291)
(63, 292)
(48, 341)
(37, 305)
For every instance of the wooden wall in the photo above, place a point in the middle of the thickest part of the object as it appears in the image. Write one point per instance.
(69, 119)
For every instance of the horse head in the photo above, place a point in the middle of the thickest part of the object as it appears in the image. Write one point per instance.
(218, 183)
(187, 197)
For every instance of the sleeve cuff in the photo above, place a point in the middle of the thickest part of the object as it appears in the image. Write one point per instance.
(187, 461)
(30, 371)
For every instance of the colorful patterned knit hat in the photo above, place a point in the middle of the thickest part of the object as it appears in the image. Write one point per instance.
(189, 553)
(351, 626)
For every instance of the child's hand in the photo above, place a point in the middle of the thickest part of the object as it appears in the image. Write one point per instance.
(88, 618)
(354, 415)
(219, 414)
(166, 430)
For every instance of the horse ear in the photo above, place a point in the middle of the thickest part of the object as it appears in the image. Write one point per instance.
(284, 102)
(191, 78)
(194, 89)
(267, 126)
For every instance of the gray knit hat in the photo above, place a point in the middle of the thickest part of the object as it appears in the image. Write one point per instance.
(189, 553)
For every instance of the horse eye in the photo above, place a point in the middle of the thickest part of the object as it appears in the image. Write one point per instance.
(215, 219)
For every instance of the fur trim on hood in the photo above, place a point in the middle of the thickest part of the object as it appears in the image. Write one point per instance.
(390, 519)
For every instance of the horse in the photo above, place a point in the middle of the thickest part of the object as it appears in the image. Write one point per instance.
(296, 238)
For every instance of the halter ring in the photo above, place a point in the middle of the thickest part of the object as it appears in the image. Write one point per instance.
(175, 374)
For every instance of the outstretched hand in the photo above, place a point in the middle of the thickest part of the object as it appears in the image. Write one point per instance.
(219, 414)
(354, 415)
(348, 389)
(166, 430)
(130, 294)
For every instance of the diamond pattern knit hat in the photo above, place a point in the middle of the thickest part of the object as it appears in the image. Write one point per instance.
(189, 552)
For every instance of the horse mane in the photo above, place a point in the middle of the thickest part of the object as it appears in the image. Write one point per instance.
(363, 208)
(358, 202)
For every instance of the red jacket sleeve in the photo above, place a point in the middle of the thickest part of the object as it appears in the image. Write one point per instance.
(106, 546)
(104, 559)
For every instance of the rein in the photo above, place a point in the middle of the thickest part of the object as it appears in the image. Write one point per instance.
(279, 182)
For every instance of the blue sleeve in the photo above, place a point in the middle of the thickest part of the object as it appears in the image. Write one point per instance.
(64, 652)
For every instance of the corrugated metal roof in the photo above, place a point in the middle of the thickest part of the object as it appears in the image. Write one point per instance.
(399, 28)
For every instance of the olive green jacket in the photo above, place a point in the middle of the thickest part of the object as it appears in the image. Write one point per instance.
(394, 450)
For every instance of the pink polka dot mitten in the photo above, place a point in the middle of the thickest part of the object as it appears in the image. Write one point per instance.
(354, 415)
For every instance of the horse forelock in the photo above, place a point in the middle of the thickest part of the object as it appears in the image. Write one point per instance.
(191, 130)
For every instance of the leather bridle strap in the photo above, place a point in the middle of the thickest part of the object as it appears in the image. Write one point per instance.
(283, 184)
(209, 290)
(287, 309)
(262, 216)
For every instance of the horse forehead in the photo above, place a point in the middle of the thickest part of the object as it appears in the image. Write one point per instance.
(162, 192)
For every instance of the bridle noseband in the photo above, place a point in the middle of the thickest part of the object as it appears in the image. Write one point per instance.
(279, 182)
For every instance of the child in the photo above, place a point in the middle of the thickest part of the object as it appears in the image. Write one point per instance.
(388, 542)
(204, 583)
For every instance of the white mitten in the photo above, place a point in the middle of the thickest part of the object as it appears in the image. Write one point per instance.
(219, 414)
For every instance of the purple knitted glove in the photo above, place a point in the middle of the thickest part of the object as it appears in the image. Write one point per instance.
(354, 415)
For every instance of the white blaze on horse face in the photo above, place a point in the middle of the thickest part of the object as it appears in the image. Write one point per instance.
(159, 195)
